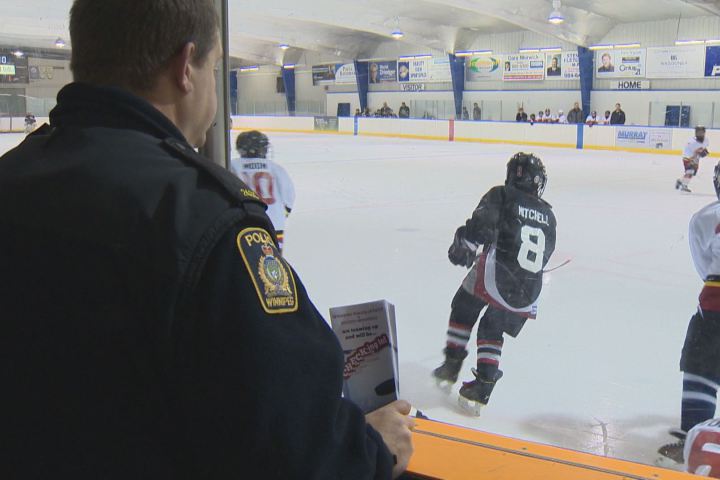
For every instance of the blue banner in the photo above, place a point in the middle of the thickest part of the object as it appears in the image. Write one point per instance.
(712, 61)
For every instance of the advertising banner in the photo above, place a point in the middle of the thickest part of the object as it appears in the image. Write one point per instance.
(644, 137)
(712, 61)
(562, 66)
(326, 124)
(323, 74)
(484, 68)
(345, 74)
(382, 72)
(524, 67)
(675, 62)
(424, 70)
(620, 63)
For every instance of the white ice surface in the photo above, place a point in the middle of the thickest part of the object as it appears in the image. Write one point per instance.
(598, 370)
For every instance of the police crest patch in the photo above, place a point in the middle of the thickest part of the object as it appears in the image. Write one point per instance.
(271, 275)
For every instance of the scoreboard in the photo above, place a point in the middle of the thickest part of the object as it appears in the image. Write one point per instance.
(13, 69)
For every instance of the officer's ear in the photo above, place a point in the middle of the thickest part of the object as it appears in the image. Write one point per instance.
(181, 68)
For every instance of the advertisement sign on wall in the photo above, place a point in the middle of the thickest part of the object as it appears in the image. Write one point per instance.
(620, 63)
(676, 62)
(643, 137)
(382, 72)
(712, 61)
(478, 69)
(562, 66)
(424, 70)
(323, 74)
(345, 74)
(524, 67)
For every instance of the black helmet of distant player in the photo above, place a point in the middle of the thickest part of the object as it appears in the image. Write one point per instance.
(252, 144)
(700, 133)
(526, 172)
(716, 180)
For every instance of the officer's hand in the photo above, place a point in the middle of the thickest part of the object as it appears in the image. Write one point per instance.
(393, 424)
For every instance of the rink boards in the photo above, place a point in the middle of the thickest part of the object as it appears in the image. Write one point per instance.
(448, 452)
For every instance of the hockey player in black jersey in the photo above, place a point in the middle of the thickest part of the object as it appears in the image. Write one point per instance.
(517, 231)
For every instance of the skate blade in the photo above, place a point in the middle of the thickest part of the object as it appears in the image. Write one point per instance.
(470, 406)
(667, 463)
(444, 385)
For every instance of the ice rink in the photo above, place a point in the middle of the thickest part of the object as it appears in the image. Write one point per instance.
(598, 370)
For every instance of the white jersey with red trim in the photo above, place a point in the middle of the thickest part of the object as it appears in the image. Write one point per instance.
(272, 184)
(693, 148)
(704, 238)
(702, 449)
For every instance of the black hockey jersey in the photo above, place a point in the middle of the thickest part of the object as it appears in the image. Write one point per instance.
(518, 231)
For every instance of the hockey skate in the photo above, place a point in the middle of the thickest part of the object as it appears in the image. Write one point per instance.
(475, 395)
(446, 375)
(682, 187)
(675, 451)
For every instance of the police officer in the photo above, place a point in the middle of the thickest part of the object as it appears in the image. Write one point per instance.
(150, 328)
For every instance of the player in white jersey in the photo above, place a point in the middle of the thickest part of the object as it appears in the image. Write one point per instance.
(700, 359)
(695, 149)
(702, 449)
(268, 179)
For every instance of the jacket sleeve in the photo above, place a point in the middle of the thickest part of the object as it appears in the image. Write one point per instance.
(481, 227)
(259, 390)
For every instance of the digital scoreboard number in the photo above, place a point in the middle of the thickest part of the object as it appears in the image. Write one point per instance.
(12, 68)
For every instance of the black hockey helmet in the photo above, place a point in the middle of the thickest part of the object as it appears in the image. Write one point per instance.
(526, 172)
(716, 180)
(252, 144)
(700, 128)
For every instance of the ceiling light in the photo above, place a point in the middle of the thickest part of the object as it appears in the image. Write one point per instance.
(397, 34)
(482, 52)
(463, 53)
(715, 40)
(689, 42)
(18, 53)
(601, 47)
(551, 49)
(627, 45)
(60, 43)
(289, 66)
(556, 17)
(254, 68)
(283, 46)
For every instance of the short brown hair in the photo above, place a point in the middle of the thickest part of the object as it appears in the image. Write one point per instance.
(128, 42)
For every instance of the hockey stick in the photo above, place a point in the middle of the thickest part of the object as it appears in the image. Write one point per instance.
(558, 267)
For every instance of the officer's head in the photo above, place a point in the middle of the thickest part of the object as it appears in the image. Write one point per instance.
(165, 51)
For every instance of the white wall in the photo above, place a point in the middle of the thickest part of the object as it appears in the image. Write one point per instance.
(509, 101)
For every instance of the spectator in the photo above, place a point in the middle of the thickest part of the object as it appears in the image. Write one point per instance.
(357, 112)
(521, 115)
(151, 329)
(618, 116)
(404, 111)
(575, 115)
(541, 117)
(592, 119)
(477, 114)
(465, 114)
(532, 118)
(607, 119)
(548, 118)
(367, 112)
(561, 118)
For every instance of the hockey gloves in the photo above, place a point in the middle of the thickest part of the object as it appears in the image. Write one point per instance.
(462, 252)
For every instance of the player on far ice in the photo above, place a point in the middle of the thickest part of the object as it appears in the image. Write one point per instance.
(30, 123)
(695, 149)
(517, 230)
(700, 360)
(268, 179)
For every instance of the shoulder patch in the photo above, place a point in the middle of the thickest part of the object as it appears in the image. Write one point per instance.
(271, 275)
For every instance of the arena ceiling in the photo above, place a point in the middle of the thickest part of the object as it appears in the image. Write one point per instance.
(349, 30)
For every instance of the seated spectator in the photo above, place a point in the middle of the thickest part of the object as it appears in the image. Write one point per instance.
(521, 115)
(592, 119)
(575, 115)
(618, 116)
(367, 112)
(548, 118)
(404, 111)
(532, 118)
(465, 114)
(477, 113)
(541, 117)
(357, 112)
(607, 119)
(561, 118)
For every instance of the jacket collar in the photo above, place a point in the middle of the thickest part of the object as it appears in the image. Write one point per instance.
(83, 105)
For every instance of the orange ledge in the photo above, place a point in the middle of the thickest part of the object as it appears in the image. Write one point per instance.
(448, 452)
